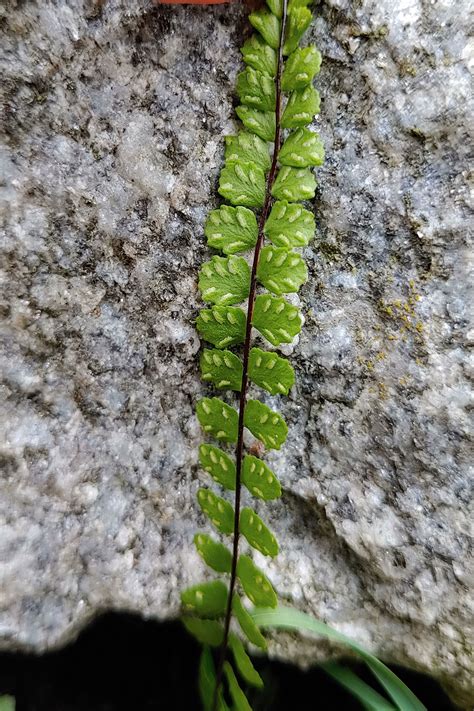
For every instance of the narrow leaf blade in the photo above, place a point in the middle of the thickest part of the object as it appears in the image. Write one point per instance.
(371, 699)
(290, 618)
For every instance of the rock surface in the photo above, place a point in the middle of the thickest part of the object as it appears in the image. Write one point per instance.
(114, 121)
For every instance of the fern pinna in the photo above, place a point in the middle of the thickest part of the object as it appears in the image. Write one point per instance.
(267, 172)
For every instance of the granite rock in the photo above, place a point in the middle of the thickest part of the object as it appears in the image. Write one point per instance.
(114, 117)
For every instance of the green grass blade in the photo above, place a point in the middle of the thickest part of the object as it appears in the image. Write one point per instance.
(289, 618)
(369, 698)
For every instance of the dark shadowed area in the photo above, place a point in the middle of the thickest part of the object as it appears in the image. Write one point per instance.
(122, 663)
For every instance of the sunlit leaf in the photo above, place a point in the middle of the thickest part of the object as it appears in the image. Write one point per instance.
(243, 662)
(248, 147)
(259, 479)
(256, 89)
(243, 183)
(281, 271)
(223, 368)
(222, 325)
(268, 25)
(299, 19)
(206, 599)
(217, 419)
(258, 54)
(301, 149)
(225, 280)
(205, 631)
(294, 184)
(257, 534)
(255, 583)
(247, 625)
(301, 108)
(218, 510)
(260, 122)
(265, 424)
(215, 554)
(276, 319)
(289, 225)
(300, 68)
(7, 703)
(218, 464)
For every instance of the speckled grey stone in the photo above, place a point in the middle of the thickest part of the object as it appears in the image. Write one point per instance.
(114, 117)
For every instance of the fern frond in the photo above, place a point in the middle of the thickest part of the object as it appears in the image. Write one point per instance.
(260, 173)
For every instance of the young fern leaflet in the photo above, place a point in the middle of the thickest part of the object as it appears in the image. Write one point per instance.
(271, 181)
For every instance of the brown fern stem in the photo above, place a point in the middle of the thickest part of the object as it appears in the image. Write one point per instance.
(246, 352)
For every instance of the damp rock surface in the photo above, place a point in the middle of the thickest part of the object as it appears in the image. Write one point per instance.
(113, 125)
